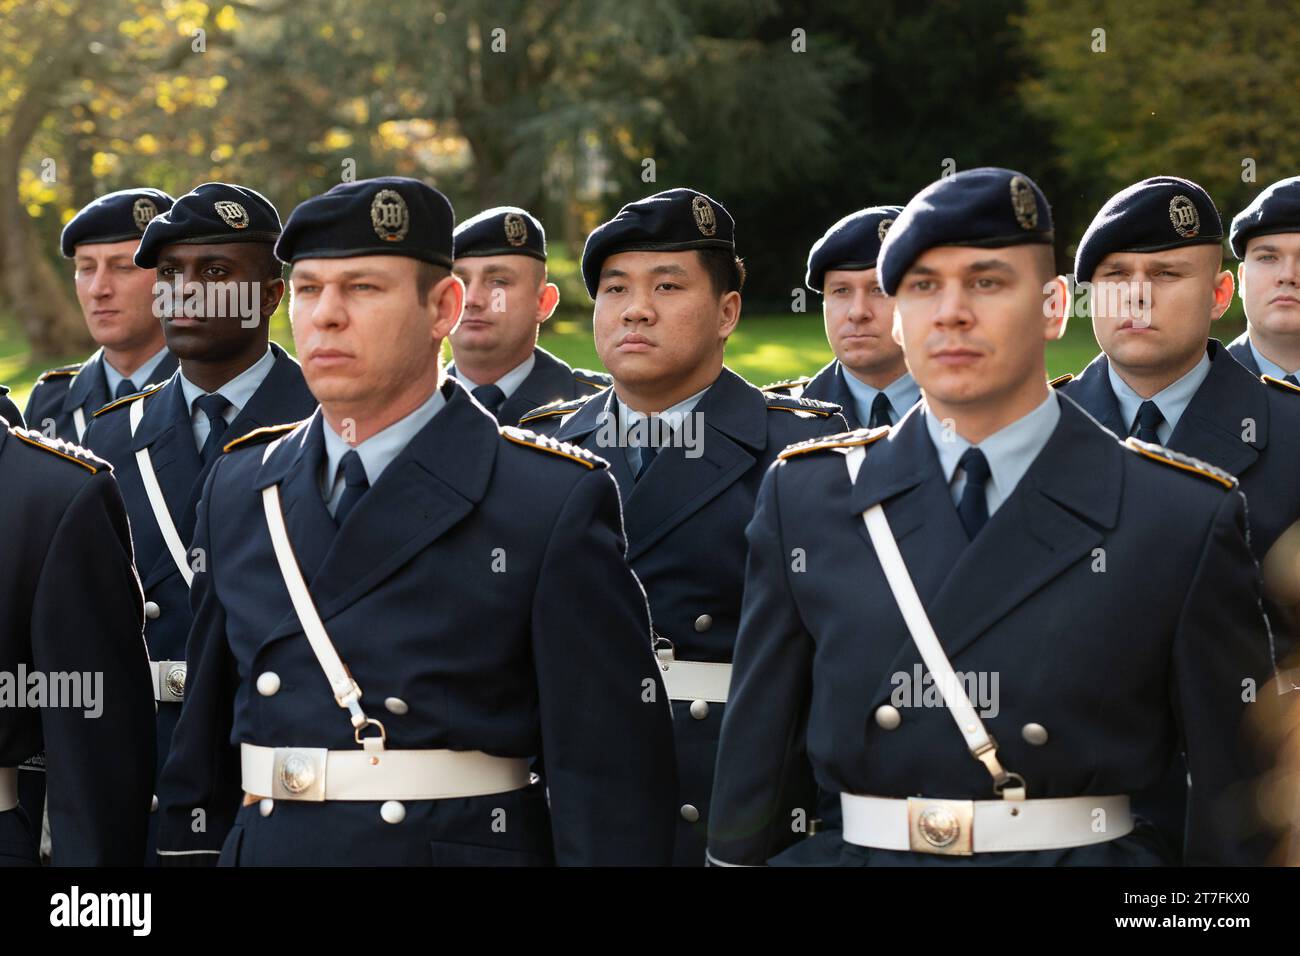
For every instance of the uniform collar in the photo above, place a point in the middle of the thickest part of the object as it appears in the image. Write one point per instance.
(139, 378)
(378, 451)
(1266, 365)
(508, 382)
(1009, 451)
(238, 390)
(1172, 400)
(902, 393)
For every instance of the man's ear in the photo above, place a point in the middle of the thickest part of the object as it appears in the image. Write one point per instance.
(730, 314)
(272, 293)
(446, 300)
(547, 301)
(1223, 287)
(1056, 308)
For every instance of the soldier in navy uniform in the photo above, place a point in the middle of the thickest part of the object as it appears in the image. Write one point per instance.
(688, 441)
(117, 299)
(1265, 237)
(868, 378)
(501, 258)
(1154, 257)
(231, 380)
(1026, 535)
(71, 610)
(383, 637)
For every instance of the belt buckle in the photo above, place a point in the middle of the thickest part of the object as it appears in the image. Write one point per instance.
(171, 682)
(944, 827)
(298, 773)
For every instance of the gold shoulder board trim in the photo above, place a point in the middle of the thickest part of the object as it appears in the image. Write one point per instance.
(1060, 380)
(589, 381)
(809, 405)
(861, 436)
(522, 436)
(787, 384)
(127, 399)
(1278, 383)
(25, 435)
(259, 433)
(1182, 462)
(562, 407)
(61, 370)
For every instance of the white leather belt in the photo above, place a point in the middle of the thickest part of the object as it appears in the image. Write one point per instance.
(8, 788)
(693, 680)
(963, 827)
(308, 773)
(168, 680)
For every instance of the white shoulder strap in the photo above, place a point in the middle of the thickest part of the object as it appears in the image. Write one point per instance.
(79, 421)
(346, 691)
(157, 502)
(978, 739)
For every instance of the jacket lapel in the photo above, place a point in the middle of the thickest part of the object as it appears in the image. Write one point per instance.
(1240, 350)
(1092, 391)
(594, 427)
(1228, 402)
(828, 386)
(549, 380)
(89, 388)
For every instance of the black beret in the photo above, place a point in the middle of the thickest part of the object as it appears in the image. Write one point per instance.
(385, 216)
(1163, 212)
(852, 244)
(115, 217)
(1276, 209)
(671, 221)
(214, 213)
(987, 207)
(502, 231)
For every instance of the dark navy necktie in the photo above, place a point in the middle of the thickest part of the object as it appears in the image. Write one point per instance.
(973, 509)
(1290, 379)
(490, 397)
(355, 484)
(124, 388)
(1148, 420)
(214, 406)
(881, 411)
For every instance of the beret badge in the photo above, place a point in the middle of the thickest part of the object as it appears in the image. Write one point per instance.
(516, 229)
(705, 220)
(883, 228)
(1023, 203)
(389, 215)
(232, 214)
(1183, 214)
(142, 211)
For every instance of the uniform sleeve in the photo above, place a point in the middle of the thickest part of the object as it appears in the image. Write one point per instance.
(88, 628)
(607, 743)
(1221, 660)
(200, 791)
(9, 412)
(763, 773)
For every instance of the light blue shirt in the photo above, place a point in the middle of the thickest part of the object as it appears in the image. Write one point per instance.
(237, 392)
(1009, 451)
(376, 452)
(507, 382)
(672, 417)
(139, 378)
(902, 392)
(1172, 400)
(1267, 366)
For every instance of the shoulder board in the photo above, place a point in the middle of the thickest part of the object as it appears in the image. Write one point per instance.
(590, 377)
(128, 399)
(803, 406)
(859, 436)
(788, 383)
(62, 370)
(61, 448)
(522, 436)
(560, 407)
(260, 435)
(1060, 380)
(1182, 462)
(1279, 384)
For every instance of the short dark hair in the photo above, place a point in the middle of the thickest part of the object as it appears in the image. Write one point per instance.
(428, 275)
(726, 271)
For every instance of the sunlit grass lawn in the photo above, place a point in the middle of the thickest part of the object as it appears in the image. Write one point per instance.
(765, 348)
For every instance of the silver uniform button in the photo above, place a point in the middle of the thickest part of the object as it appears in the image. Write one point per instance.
(699, 709)
(265, 806)
(888, 717)
(392, 811)
(1035, 734)
(153, 804)
(151, 610)
(703, 622)
(396, 705)
(268, 683)
(689, 813)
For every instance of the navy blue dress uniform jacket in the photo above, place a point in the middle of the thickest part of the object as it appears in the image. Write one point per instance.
(1119, 692)
(1212, 429)
(686, 541)
(825, 386)
(70, 604)
(481, 580)
(60, 391)
(1239, 348)
(8, 410)
(167, 431)
(550, 380)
